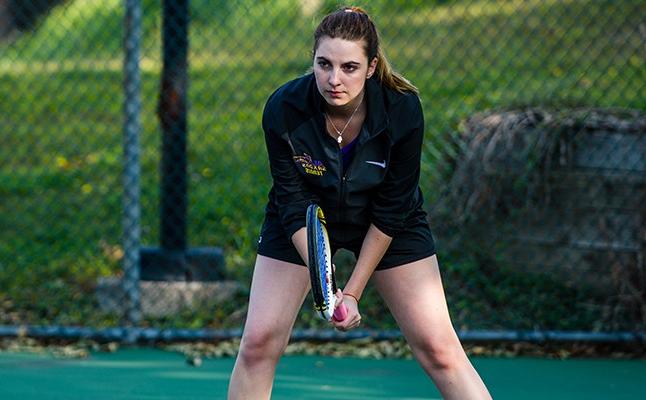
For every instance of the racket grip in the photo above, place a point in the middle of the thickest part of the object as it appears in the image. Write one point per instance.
(340, 313)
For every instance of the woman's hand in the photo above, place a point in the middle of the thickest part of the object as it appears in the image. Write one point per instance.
(353, 319)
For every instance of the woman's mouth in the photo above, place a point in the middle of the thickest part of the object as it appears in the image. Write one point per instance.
(334, 93)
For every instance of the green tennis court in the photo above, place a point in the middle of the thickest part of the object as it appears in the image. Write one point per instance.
(155, 374)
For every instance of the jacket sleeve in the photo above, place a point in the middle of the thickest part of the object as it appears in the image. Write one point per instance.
(397, 195)
(291, 193)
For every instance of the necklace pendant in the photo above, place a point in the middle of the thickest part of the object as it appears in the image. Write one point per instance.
(339, 139)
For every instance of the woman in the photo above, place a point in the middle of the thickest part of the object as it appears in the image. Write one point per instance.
(348, 137)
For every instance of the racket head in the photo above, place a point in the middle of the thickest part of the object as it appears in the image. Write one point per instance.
(320, 263)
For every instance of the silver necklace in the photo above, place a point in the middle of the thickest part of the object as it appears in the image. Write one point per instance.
(339, 139)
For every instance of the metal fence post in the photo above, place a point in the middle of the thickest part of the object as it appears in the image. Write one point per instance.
(132, 129)
(173, 117)
(173, 260)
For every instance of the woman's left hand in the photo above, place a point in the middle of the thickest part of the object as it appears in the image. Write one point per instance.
(353, 319)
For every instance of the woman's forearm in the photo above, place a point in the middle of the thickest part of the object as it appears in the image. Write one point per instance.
(299, 239)
(373, 249)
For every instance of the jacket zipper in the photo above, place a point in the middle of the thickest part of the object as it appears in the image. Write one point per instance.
(342, 181)
(341, 187)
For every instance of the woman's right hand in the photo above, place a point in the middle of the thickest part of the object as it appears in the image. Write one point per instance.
(353, 318)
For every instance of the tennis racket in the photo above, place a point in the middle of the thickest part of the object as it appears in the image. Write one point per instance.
(320, 265)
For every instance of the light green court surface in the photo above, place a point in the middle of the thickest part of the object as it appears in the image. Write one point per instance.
(150, 374)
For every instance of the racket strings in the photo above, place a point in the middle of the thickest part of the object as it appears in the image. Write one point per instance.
(325, 268)
(325, 264)
(320, 263)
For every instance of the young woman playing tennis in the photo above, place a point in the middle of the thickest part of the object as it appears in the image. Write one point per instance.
(348, 137)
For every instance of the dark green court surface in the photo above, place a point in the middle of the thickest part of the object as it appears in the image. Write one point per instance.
(153, 374)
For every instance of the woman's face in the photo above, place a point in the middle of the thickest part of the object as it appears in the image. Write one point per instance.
(341, 69)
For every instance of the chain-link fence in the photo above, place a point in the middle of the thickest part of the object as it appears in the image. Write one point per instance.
(533, 165)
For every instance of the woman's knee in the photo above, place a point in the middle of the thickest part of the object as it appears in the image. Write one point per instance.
(439, 352)
(259, 345)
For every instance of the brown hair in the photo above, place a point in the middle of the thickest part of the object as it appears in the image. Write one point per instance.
(353, 23)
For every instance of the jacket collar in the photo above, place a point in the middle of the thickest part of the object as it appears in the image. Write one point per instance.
(309, 100)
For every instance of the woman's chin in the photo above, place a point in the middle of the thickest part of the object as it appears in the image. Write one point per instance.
(336, 101)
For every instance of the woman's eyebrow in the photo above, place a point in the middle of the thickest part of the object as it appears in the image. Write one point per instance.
(347, 63)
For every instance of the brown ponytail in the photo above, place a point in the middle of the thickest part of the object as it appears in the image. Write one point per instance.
(391, 78)
(353, 23)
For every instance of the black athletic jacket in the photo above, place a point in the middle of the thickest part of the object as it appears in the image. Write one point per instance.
(381, 184)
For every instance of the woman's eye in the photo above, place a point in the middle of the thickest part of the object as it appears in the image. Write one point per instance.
(323, 63)
(350, 68)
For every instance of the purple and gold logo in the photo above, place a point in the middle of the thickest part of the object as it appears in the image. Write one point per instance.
(312, 167)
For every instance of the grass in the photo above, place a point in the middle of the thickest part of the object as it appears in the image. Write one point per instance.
(61, 96)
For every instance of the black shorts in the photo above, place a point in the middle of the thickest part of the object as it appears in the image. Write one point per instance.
(412, 244)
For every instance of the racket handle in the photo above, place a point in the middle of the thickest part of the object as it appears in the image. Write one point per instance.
(340, 313)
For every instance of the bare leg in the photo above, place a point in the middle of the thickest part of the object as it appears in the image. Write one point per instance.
(415, 296)
(278, 290)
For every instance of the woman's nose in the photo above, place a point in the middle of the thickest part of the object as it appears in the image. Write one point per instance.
(334, 78)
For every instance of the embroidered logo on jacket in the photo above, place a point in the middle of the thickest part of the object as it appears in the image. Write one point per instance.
(312, 167)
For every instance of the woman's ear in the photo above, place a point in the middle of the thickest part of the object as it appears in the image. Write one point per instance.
(371, 68)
